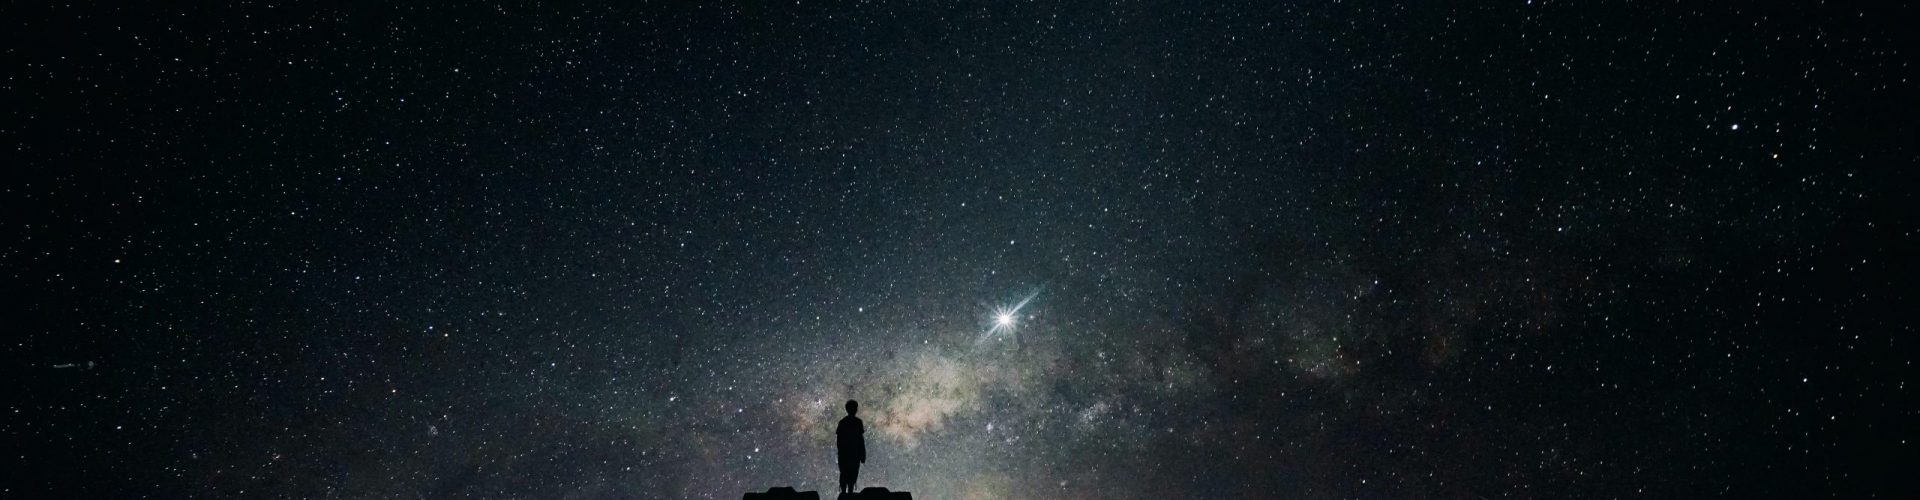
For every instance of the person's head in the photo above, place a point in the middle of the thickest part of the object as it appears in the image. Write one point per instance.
(853, 407)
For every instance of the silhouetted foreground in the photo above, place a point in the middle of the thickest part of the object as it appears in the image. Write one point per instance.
(851, 441)
(877, 494)
(787, 493)
(783, 493)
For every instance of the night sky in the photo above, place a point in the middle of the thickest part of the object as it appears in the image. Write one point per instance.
(1530, 249)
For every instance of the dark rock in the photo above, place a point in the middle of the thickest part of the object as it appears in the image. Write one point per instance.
(877, 493)
(783, 493)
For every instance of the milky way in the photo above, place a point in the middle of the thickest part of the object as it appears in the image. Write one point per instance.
(1129, 250)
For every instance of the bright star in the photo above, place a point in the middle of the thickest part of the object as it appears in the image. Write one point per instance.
(1004, 318)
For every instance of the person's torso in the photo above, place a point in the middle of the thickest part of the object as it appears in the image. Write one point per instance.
(851, 432)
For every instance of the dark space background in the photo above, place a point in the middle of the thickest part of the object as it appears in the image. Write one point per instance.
(1529, 249)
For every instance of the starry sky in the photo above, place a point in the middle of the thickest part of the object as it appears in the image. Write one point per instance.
(1349, 249)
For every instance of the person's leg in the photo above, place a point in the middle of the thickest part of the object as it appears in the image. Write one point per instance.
(853, 476)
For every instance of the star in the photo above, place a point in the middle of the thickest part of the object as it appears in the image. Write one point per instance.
(1005, 317)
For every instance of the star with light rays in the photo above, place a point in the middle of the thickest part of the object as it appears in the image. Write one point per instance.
(1006, 318)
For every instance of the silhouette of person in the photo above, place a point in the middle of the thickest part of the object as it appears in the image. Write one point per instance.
(852, 443)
